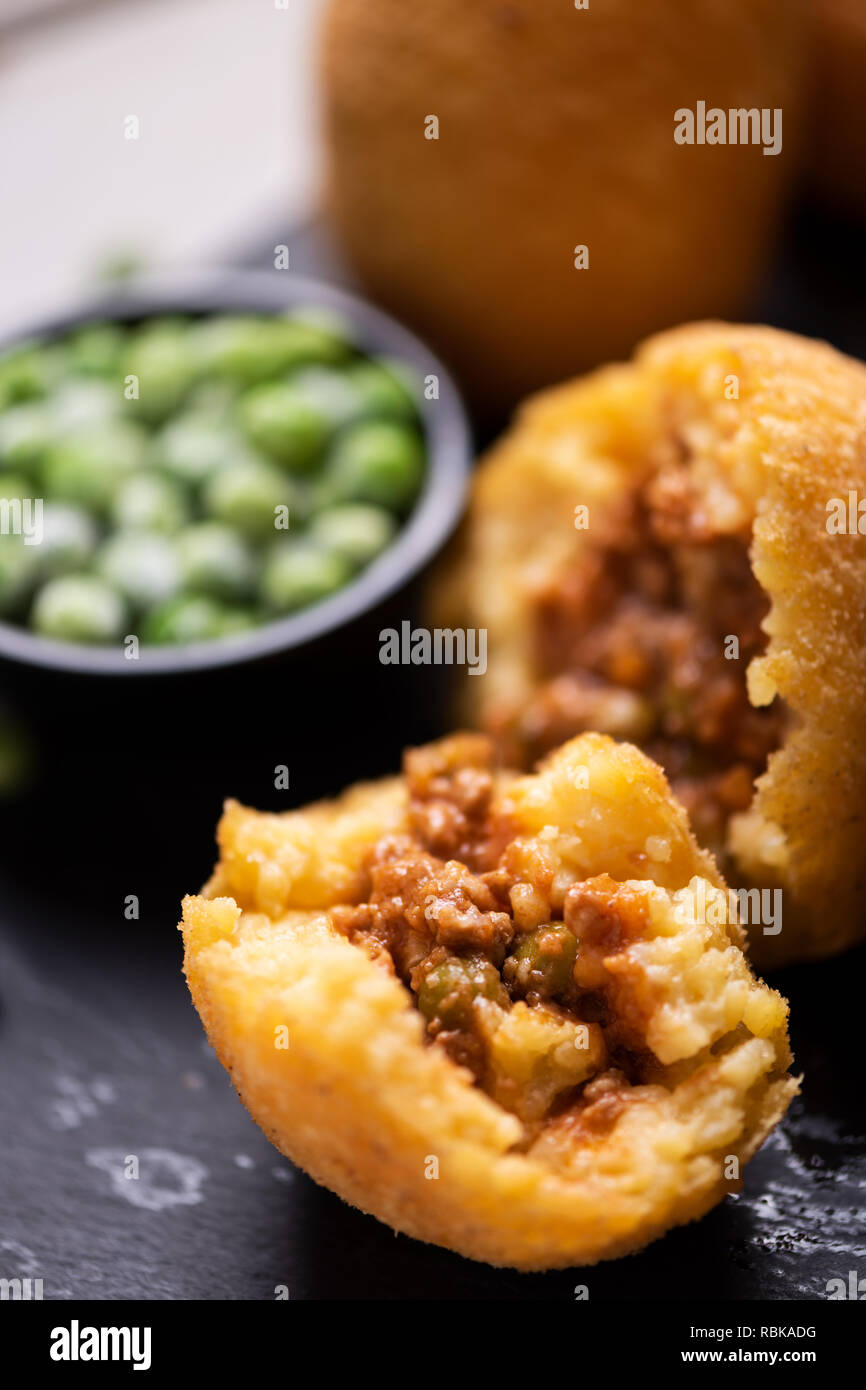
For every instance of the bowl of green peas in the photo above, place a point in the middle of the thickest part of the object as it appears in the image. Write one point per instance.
(204, 470)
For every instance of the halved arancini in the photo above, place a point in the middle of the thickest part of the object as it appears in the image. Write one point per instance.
(672, 551)
(506, 1014)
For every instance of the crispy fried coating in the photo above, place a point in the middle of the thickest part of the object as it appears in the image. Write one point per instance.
(684, 1077)
(764, 432)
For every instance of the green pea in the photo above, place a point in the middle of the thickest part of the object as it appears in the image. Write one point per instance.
(233, 347)
(194, 446)
(215, 560)
(303, 504)
(330, 392)
(299, 574)
(249, 350)
(161, 358)
(95, 350)
(80, 405)
(142, 566)
(187, 618)
(79, 608)
(449, 989)
(25, 434)
(237, 347)
(386, 389)
(18, 571)
(327, 330)
(148, 501)
(543, 961)
(88, 467)
(376, 461)
(214, 400)
(357, 531)
(21, 524)
(285, 427)
(69, 539)
(255, 497)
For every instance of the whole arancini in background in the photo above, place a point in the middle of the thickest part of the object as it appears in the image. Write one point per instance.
(838, 125)
(555, 130)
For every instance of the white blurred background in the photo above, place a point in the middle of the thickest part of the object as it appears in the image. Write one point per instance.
(224, 94)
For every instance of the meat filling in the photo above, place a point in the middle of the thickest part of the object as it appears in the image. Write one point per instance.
(510, 991)
(635, 640)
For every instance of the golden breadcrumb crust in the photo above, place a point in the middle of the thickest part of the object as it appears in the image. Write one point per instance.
(793, 439)
(326, 1048)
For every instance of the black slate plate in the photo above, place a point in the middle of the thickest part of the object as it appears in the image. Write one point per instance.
(103, 1057)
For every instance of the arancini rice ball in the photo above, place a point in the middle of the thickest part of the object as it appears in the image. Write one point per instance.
(508, 1015)
(673, 551)
(555, 130)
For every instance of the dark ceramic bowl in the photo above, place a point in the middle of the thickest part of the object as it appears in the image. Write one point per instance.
(433, 517)
(133, 758)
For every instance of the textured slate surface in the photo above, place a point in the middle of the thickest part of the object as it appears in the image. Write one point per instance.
(102, 1056)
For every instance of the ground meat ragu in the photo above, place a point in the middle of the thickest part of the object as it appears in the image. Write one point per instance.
(418, 901)
(631, 641)
(459, 939)
(450, 790)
